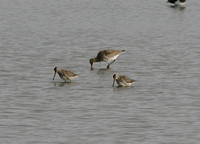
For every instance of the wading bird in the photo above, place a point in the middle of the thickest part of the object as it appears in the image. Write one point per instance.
(122, 80)
(64, 74)
(106, 56)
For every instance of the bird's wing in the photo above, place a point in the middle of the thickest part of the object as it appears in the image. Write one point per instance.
(111, 53)
(69, 73)
(127, 79)
(172, 1)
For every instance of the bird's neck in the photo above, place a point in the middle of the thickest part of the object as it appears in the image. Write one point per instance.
(95, 60)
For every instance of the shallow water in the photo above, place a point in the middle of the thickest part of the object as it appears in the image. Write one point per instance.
(161, 53)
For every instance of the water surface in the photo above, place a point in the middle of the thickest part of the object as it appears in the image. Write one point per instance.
(161, 52)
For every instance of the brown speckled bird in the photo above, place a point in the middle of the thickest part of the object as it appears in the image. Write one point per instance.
(64, 74)
(122, 80)
(106, 56)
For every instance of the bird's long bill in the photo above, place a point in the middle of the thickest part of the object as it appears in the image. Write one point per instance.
(54, 76)
(113, 83)
(91, 66)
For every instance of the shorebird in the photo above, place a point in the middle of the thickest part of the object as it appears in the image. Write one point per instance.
(106, 56)
(64, 74)
(122, 80)
(180, 3)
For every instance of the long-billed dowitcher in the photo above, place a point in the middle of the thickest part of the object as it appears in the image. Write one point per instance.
(106, 56)
(122, 80)
(64, 74)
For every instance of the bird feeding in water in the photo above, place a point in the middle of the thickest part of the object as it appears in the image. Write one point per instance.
(108, 56)
(122, 80)
(64, 74)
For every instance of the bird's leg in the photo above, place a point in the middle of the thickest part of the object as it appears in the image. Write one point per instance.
(110, 64)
